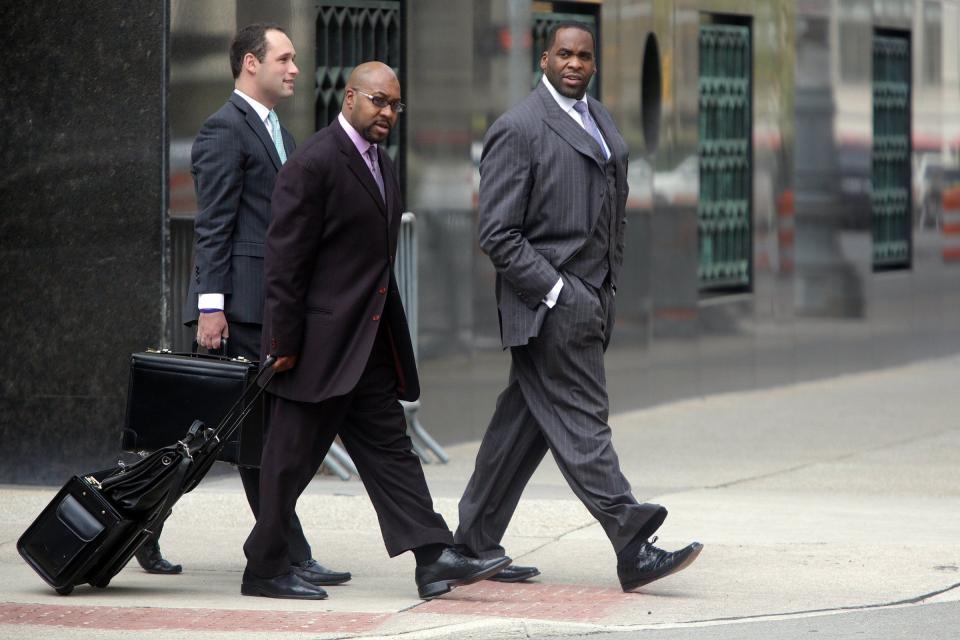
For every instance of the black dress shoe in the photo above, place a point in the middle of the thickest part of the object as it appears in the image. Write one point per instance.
(652, 564)
(453, 569)
(317, 574)
(152, 561)
(288, 585)
(515, 573)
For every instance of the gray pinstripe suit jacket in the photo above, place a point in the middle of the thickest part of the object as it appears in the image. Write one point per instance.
(542, 187)
(235, 165)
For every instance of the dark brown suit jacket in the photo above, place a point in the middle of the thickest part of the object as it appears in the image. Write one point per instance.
(328, 270)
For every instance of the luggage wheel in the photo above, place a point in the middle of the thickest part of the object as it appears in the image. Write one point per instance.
(101, 584)
(64, 591)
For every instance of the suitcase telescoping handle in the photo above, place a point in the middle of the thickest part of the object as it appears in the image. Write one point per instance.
(245, 403)
(215, 439)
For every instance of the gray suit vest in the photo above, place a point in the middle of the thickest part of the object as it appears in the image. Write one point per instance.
(592, 262)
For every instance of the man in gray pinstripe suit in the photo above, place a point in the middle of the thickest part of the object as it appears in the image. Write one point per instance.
(553, 191)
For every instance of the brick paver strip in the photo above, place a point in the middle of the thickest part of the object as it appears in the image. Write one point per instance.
(144, 618)
(533, 600)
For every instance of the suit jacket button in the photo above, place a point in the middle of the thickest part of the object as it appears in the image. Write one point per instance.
(376, 317)
(382, 290)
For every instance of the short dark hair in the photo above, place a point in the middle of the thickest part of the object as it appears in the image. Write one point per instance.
(250, 39)
(569, 24)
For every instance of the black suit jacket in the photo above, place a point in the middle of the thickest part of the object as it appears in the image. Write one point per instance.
(235, 165)
(328, 271)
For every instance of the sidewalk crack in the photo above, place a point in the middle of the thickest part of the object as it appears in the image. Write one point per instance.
(558, 538)
(838, 458)
(857, 607)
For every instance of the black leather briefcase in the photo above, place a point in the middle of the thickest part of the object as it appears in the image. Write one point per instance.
(168, 391)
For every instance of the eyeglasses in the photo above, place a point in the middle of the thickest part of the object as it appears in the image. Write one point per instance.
(380, 102)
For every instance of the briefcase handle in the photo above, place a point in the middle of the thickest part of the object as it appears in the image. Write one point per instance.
(200, 356)
(195, 347)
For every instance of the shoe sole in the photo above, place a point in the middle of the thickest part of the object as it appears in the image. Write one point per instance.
(163, 573)
(532, 574)
(636, 584)
(434, 589)
(253, 591)
(327, 583)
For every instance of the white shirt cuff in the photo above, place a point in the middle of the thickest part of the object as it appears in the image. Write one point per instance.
(553, 294)
(210, 301)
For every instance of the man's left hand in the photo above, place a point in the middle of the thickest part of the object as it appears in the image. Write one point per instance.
(284, 363)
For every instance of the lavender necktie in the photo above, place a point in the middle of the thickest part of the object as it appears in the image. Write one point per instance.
(375, 170)
(590, 126)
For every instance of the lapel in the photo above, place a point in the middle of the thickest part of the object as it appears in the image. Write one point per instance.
(566, 128)
(609, 130)
(258, 128)
(289, 144)
(358, 166)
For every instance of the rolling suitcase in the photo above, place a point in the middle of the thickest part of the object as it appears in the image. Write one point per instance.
(79, 534)
(96, 522)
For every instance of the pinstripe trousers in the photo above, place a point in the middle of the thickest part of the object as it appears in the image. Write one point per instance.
(556, 399)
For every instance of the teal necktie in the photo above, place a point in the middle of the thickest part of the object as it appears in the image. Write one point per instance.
(277, 136)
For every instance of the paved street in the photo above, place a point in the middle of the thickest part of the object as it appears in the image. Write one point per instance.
(828, 508)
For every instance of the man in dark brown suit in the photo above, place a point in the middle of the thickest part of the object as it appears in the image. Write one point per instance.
(334, 320)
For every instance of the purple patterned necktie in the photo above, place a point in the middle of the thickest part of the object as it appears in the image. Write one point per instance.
(375, 170)
(590, 126)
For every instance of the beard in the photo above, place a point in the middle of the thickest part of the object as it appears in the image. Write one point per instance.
(370, 134)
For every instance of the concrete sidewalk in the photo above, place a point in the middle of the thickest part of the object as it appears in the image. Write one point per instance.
(838, 497)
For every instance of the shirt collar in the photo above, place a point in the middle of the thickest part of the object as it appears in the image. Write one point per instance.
(358, 140)
(565, 103)
(261, 110)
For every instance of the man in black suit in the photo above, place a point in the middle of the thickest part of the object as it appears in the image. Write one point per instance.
(236, 157)
(334, 319)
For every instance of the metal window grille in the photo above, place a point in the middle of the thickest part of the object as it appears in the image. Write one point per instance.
(349, 33)
(723, 213)
(890, 194)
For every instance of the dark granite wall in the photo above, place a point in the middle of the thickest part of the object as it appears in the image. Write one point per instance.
(81, 202)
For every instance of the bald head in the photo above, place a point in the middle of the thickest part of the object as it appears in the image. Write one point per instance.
(372, 72)
(369, 84)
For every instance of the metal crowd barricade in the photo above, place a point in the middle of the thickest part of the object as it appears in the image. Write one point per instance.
(406, 270)
(338, 460)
